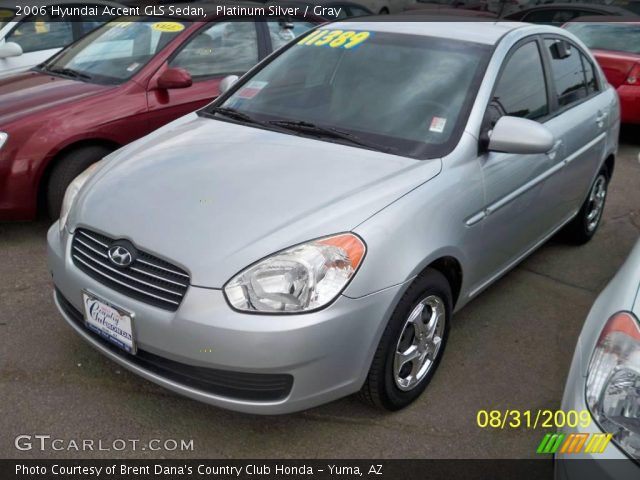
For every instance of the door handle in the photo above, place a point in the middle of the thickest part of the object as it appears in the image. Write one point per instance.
(602, 116)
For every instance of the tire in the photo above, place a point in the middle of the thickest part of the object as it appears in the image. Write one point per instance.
(384, 11)
(382, 387)
(68, 167)
(585, 224)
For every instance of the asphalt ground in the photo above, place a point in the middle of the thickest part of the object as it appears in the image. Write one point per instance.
(509, 349)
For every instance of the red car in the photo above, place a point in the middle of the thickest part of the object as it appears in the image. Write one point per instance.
(616, 45)
(114, 86)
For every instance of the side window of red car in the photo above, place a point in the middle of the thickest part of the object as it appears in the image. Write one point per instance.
(41, 32)
(221, 49)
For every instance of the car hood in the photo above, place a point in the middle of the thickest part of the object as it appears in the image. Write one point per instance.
(213, 197)
(24, 94)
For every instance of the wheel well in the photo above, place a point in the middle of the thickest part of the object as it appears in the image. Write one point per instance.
(44, 179)
(451, 269)
(610, 164)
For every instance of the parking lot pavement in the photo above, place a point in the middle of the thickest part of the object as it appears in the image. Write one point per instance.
(510, 348)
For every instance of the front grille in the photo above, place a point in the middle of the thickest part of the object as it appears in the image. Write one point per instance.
(262, 387)
(148, 279)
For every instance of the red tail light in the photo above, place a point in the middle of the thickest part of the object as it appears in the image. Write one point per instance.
(634, 75)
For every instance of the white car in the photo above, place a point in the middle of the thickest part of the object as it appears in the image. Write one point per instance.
(31, 34)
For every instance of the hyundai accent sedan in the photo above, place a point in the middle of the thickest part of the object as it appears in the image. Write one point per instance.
(310, 234)
(604, 380)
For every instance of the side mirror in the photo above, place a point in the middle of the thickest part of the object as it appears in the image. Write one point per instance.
(175, 78)
(519, 135)
(227, 83)
(10, 49)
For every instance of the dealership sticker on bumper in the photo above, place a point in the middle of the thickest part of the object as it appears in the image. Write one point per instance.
(110, 322)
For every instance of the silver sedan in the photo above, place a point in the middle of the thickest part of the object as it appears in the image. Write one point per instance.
(310, 234)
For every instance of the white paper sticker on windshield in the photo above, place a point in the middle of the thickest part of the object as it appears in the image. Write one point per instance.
(437, 124)
(251, 89)
(132, 67)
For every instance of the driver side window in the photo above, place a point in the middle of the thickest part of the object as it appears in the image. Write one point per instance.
(222, 49)
(521, 89)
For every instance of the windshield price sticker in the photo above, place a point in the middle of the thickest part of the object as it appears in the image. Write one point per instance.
(168, 27)
(346, 39)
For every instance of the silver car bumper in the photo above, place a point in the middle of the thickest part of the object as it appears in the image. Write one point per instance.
(325, 354)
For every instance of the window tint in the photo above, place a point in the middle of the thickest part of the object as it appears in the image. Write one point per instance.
(223, 48)
(282, 33)
(41, 33)
(567, 72)
(521, 90)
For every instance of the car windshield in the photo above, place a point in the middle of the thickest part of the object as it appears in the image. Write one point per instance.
(6, 15)
(409, 94)
(620, 37)
(116, 51)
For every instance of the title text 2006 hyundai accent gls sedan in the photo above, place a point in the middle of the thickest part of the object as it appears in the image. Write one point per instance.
(310, 234)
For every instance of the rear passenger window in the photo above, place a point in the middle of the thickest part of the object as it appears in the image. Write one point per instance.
(567, 71)
(521, 90)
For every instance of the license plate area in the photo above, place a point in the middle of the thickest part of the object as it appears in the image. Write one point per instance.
(111, 322)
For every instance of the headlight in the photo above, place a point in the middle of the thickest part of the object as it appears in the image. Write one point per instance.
(3, 138)
(72, 191)
(613, 381)
(302, 278)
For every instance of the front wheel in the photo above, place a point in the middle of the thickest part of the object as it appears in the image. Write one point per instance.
(583, 227)
(412, 344)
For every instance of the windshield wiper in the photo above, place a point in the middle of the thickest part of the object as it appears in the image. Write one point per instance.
(68, 72)
(236, 115)
(317, 130)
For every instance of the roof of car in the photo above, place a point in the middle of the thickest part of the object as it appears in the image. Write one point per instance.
(486, 32)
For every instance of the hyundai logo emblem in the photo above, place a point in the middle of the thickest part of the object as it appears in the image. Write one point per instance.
(120, 256)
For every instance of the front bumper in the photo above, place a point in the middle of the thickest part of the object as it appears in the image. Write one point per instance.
(326, 354)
